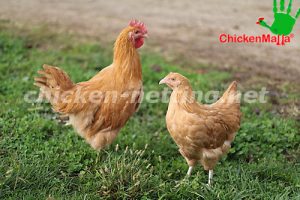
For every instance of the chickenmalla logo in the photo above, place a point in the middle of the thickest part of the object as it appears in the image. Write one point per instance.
(283, 22)
(282, 28)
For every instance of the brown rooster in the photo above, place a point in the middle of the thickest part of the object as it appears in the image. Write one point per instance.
(101, 106)
(203, 133)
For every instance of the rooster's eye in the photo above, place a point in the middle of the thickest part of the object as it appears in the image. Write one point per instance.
(137, 31)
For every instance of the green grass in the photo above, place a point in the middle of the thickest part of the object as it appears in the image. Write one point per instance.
(41, 158)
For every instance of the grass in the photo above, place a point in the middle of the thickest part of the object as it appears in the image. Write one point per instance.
(43, 159)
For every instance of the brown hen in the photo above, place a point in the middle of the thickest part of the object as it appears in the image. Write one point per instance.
(203, 133)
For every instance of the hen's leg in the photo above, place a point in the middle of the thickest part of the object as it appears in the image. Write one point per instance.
(210, 176)
(190, 162)
(189, 172)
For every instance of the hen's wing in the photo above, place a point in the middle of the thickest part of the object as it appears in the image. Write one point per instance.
(213, 124)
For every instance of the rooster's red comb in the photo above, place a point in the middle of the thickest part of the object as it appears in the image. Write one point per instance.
(138, 24)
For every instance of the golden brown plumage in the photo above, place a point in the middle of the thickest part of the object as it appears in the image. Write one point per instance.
(203, 133)
(100, 107)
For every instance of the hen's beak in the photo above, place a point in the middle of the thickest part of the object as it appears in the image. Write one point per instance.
(163, 81)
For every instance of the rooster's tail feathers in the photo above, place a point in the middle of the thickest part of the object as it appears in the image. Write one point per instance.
(53, 77)
(52, 80)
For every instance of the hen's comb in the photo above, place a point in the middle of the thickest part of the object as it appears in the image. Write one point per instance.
(138, 24)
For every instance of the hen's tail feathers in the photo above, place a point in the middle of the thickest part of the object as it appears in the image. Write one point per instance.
(52, 82)
(231, 95)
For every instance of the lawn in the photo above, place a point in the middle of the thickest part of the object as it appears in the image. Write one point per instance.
(41, 158)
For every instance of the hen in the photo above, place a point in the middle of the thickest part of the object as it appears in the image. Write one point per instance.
(203, 133)
(100, 107)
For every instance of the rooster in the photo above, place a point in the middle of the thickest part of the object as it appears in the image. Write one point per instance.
(203, 133)
(100, 107)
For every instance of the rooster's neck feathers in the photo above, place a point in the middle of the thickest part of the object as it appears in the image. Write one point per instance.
(126, 58)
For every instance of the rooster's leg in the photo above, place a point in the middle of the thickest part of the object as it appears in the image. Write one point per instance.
(210, 176)
(189, 172)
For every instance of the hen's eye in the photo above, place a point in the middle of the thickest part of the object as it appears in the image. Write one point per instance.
(173, 79)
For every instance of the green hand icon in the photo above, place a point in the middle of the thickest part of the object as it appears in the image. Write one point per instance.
(283, 22)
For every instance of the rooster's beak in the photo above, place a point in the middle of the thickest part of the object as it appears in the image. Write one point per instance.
(140, 35)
